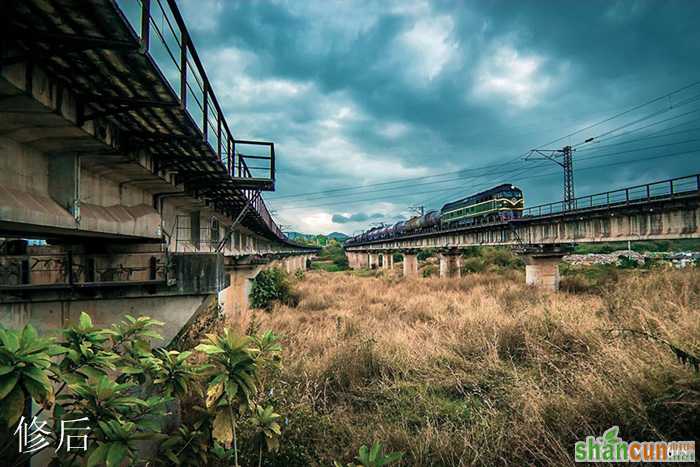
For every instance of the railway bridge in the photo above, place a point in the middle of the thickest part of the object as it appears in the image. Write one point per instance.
(122, 187)
(666, 209)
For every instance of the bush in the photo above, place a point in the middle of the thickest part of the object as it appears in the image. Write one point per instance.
(336, 254)
(429, 270)
(269, 286)
(425, 254)
(114, 381)
(473, 264)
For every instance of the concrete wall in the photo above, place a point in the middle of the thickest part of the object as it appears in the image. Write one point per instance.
(173, 311)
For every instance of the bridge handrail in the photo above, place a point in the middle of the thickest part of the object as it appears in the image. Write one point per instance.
(644, 192)
(220, 140)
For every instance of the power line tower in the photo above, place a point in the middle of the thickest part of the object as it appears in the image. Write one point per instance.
(562, 157)
(420, 209)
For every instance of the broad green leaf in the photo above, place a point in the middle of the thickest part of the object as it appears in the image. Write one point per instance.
(37, 375)
(98, 456)
(54, 349)
(85, 321)
(29, 336)
(7, 384)
(37, 391)
(116, 454)
(5, 370)
(209, 349)
(9, 340)
(12, 406)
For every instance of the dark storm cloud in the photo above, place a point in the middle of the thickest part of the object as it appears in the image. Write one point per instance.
(441, 86)
(357, 217)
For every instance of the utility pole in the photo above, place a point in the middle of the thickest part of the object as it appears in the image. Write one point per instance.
(562, 157)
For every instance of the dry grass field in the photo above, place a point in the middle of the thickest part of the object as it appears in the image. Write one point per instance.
(481, 370)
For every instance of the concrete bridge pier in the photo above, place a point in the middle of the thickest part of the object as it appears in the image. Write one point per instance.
(542, 271)
(450, 264)
(386, 261)
(358, 260)
(410, 264)
(373, 261)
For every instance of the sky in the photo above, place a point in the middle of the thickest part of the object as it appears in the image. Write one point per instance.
(449, 96)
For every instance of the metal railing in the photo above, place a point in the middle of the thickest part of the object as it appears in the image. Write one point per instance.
(68, 269)
(161, 30)
(655, 191)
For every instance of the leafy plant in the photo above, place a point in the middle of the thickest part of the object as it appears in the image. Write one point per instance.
(25, 361)
(103, 372)
(86, 353)
(233, 385)
(267, 430)
(268, 286)
(118, 443)
(187, 446)
(373, 457)
(176, 375)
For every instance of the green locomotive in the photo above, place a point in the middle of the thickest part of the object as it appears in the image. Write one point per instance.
(500, 203)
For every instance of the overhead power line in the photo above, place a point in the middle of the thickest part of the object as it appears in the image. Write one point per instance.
(508, 162)
(618, 115)
(585, 168)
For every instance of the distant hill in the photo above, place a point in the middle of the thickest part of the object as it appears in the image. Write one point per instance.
(338, 236)
(317, 239)
(299, 236)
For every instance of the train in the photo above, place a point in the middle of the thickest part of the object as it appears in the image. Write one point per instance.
(498, 204)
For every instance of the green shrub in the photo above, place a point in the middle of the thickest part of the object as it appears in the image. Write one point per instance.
(503, 258)
(269, 286)
(429, 270)
(114, 381)
(425, 254)
(473, 264)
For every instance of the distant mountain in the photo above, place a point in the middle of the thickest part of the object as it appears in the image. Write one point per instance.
(338, 236)
(318, 239)
(299, 235)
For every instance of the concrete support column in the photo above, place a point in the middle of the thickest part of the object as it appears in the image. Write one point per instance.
(353, 260)
(234, 298)
(363, 260)
(449, 265)
(373, 260)
(410, 264)
(64, 181)
(385, 261)
(391, 261)
(542, 272)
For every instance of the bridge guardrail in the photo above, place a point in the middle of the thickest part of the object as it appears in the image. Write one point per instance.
(162, 32)
(640, 193)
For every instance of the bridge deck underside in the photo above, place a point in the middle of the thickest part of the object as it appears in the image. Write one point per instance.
(82, 48)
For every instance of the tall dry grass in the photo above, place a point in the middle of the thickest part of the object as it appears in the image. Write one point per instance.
(481, 370)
